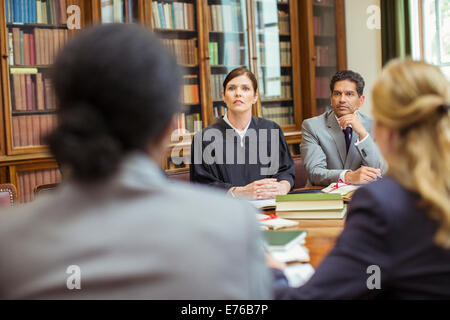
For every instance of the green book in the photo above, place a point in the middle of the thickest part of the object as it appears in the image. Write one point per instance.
(22, 53)
(309, 197)
(283, 240)
(309, 202)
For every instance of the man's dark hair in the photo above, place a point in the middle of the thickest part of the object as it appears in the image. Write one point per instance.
(351, 76)
(117, 90)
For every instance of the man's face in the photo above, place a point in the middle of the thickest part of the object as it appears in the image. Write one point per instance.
(345, 99)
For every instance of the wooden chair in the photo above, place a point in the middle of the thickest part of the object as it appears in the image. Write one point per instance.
(44, 188)
(8, 195)
(180, 176)
(300, 173)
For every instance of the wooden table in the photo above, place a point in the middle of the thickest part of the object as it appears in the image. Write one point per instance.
(321, 236)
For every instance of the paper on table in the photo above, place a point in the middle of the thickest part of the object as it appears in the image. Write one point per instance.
(275, 223)
(296, 253)
(340, 188)
(263, 204)
(298, 274)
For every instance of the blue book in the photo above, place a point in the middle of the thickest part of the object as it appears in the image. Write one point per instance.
(33, 11)
(161, 15)
(11, 10)
(25, 11)
(16, 11)
(6, 11)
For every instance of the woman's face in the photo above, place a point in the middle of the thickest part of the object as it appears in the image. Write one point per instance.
(240, 95)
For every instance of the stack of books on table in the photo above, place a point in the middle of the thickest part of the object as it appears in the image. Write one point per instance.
(310, 206)
(288, 247)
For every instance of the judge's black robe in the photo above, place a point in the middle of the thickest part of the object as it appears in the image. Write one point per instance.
(248, 163)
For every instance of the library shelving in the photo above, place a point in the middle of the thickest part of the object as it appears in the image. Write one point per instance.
(323, 48)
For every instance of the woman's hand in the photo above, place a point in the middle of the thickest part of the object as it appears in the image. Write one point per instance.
(267, 188)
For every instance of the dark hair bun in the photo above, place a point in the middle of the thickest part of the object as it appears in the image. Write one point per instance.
(83, 144)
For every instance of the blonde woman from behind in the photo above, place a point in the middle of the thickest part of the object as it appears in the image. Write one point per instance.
(396, 242)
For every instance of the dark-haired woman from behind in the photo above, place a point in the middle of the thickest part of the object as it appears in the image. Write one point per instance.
(244, 155)
(117, 228)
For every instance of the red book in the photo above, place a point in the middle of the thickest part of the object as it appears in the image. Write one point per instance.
(26, 48)
(32, 49)
(16, 131)
(22, 130)
(16, 45)
(32, 184)
(55, 40)
(29, 131)
(42, 127)
(29, 92)
(39, 178)
(53, 176)
(33, 92)
(47, 176)
(17, 94)
(26, 187)
(48, 94)
(63, 11)
(40, 101)
(36, 129)
(21, 188)
(23, 92)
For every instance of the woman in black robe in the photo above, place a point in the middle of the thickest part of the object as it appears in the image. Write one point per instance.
(245, 155)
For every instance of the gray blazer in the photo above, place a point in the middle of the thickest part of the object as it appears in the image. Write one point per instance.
(324, 153)
(139, 236)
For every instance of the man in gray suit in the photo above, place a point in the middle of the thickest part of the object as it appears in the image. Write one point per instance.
(338, 145)
(116, 228)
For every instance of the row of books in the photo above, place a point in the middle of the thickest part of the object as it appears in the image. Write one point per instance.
(285, 53)
(29, 180)
(185, 51)
(325, 56)
(324, 25)
(32, 92)
(225, 18)
(118, 11)
(219, 111)
(283, 22)
(275, 87)
(217, 85)
(283, 115)
(36, 11)
(31, 130)
(190, 93)
(37, 47)
(190, 122)
(322, 88)
(175, 15)
(230, 53)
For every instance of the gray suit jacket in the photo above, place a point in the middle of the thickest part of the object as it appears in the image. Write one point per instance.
(324, 153)
(139, 236)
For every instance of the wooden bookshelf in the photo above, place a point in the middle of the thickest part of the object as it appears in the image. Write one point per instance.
(209, 38)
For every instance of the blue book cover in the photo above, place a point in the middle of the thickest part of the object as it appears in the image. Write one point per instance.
(161, 15)
(16, 11)
(33, 11)
(6, 11)
(25, 11)
(11, 10)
